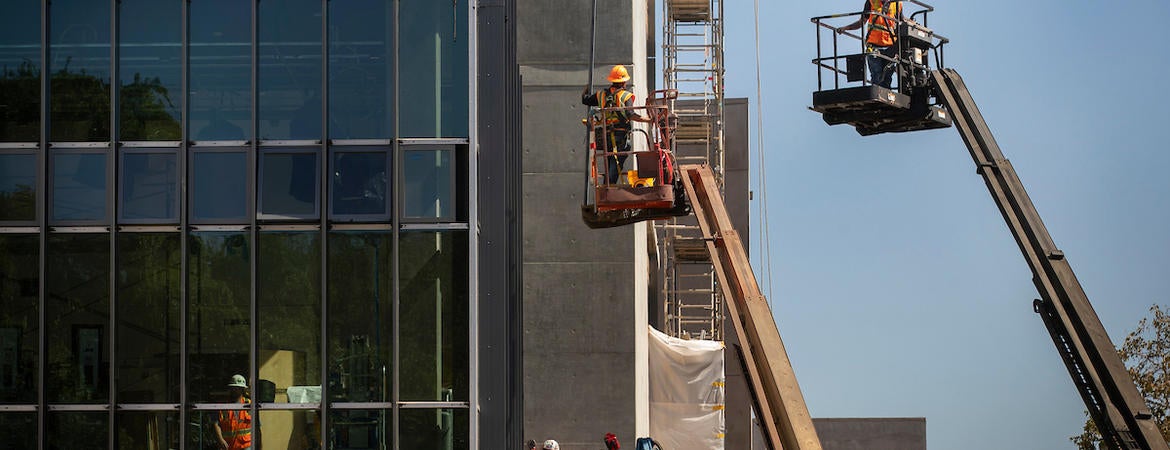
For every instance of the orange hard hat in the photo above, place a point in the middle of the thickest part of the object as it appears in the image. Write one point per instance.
(618, 74)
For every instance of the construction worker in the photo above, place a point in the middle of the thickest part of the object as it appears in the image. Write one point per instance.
(234, 427)
(882, 18)
(617, 123)
(611, 442)
(550, 445)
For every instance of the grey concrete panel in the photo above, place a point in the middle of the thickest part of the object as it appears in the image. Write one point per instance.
(554, 138)
(557, 31)
(737, 395)
(584, 307)
(553, 230)
(736, 139)
(576, 398)
(735, 188)
(872, 433)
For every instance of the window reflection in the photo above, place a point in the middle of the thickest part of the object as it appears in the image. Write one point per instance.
(18, 181)
(361, 39)
(19, 320)
(432, 87)
(148, 317)
(433, 304)
(220, 67)
(218, 312)
(288, 185)
(77, 430)
(20, 71)
(19, 429)
(219, 186)
(79, 186)
(290, 69)
(77, 312)
(149, 44)
(427, 180)
(79, 109)
(155, 430)
(289, 272)
(441, 429)
(150, 188)
(361, 316)
(359, 184)
(360, 430)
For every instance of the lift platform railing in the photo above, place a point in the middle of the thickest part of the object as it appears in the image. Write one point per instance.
(658, 138)
(855, 72)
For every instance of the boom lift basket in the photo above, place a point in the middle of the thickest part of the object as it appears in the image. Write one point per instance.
(853, 98)
(652, 190)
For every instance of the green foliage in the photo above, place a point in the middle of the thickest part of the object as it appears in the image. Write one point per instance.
(1146, 352)
(20, 102)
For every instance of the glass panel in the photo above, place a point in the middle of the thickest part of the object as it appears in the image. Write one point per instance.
(433, 304)
(149, 41)
(290, 316)
(77, 431)
(432, 86)
(79, 107)
(218, 313)
(150, 188)
(288, 187)
(148, 317)
(434, 429)
(18, 186)
(289, 429)
(426, 187)
(220, 70)
(19, 320)
(360, 430)
(361, 43)
(290, 69)
(155, 430)
(19, 430)
(360, 316)
(359, 184)
(220, 186)
(77, 309)
(20, 71)
(79, 186)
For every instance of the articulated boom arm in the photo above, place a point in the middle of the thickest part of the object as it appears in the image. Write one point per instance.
(1113, 400)
(779, 403)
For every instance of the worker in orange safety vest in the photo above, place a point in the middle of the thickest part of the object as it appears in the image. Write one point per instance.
(234, 427)
(617, 123)
(881, 18)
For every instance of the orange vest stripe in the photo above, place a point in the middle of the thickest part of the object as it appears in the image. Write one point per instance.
(880, 28)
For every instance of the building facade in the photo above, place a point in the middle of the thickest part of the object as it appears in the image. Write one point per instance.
(285, 190)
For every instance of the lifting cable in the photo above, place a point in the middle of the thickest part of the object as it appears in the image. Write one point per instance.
(766, 245)
(589, 138)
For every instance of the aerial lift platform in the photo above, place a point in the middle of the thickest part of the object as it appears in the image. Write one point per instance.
(928, 98)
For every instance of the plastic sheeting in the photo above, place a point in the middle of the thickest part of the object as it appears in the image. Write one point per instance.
(686, 392)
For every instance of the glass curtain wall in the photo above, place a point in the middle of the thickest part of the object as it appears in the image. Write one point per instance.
(234, 210)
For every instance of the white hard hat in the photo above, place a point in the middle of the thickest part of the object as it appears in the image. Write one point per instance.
(551, 445)
(238, 381)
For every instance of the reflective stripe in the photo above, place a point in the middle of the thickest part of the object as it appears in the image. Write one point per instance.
(880, 28)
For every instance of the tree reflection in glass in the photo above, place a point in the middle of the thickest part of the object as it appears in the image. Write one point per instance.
(18, 178)
(289, 275)
(20, 71)
(433, 304)
(440, 429)
(149, 44)
(77, 312)
(19, 319)
(360, 316)
(79, 101)
(148, 317)
(218, 312)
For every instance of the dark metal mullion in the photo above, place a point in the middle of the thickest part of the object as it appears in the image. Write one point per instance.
(323, 420)
(395, 222)
(112, 217)
(43, 222)
(253, 252)
(184, 218)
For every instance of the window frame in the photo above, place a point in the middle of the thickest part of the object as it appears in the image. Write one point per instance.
(78, 148)
(197, 148)
(287, 148)
(150, 148)
(408, 145)
(385, 147)
(11, 149)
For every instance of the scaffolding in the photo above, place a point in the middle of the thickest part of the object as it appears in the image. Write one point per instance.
(693, 66)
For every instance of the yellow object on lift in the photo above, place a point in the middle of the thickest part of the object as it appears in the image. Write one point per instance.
(632, 178)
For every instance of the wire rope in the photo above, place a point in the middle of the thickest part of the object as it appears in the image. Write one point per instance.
(766, 245)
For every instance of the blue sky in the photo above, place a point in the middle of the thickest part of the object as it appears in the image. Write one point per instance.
(898, 289)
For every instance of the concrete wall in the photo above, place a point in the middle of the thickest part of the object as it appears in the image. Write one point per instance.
(872, 434)
(581, 305)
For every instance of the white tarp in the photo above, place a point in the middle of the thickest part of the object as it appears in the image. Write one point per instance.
(686, 392)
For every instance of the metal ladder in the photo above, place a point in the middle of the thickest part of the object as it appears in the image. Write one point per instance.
(693, 65)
